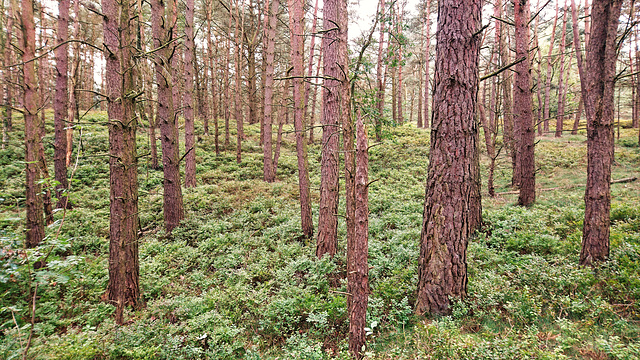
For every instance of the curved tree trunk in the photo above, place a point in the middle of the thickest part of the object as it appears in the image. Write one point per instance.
(452, 210)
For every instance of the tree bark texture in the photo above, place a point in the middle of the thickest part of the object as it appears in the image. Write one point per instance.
(358, 249)
(7, 121)
(561, 81)
(510, 133)
(213, 79)
(270, 45)
(237, 105)
(427, 57)
(331, 95)
(523, 105)
(34, 204)
(547, 88)
(578, 49)
(296, 19)
(598, 90)
(379, 74)
(166, 117)
(452, 210)
(307, 86)
(189, 125)
(123, 288)
(61, 104)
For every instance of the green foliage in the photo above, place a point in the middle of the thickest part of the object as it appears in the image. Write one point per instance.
(237, 281)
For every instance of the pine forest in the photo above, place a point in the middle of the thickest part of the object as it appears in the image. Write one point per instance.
(320, 179)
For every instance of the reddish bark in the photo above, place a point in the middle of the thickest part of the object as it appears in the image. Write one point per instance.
(314, 100)
(7, 78)
(281, 120)
(523, 107)
(34, 205)
(561, 85)
(296, 19)
(427, 118)
(357, 249)
(598, 90)
(578, 49)
(189, 126)
(166, 117)
(237, 105)
(399, 89)
(419, 122)
(227, 85)
(73, 114)
(547, 88)
(61, 104)
(510, 132)
(452, 210)
(214, 79)
(379, 74)
(307, 87)
(270, 43)
(123, 289)
(329, 183)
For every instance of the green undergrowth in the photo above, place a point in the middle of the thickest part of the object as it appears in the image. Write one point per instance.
(238, 281)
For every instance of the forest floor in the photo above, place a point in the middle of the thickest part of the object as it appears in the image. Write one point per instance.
(235, 280)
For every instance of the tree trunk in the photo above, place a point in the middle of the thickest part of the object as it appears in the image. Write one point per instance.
(307, 88)
(561, 85)
(314, 99)
(281, 121)
(296, 20)
(598, 91)
(189, 126)
(510, 133)
(166, 117)
(379, 74)
(42, 90)
(329, 179)
(61, 105)
(123, 288)
(358, 248)
(547, 88)
(214, 78)
(270, 43)
(7, 121)
(399, 89)
(523, 105)
(73, 94)
(237, 105)
(227, 85)
(35, 220)
(578, 48)
(452, 210)
(427, 118)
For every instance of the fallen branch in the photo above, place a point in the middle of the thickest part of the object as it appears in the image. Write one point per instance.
(619, 181)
